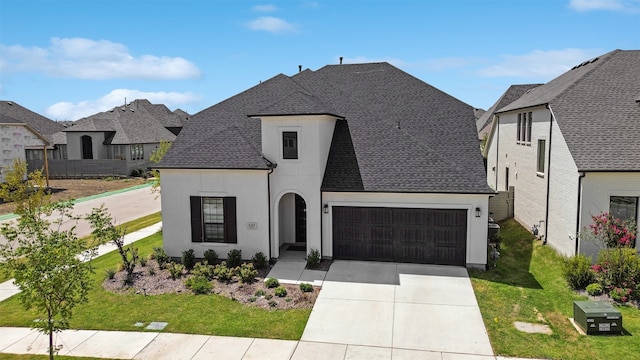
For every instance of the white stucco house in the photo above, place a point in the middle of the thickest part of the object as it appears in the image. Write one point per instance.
(570, 149)
(357, 161)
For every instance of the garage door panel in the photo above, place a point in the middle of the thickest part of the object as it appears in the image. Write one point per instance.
(436, 236)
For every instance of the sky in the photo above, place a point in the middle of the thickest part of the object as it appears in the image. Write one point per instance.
(71, 59)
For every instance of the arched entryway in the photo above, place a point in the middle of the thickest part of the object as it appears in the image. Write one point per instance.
(292, 215)
(87, 147)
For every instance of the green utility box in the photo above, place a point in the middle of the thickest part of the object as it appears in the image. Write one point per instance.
(597, 317)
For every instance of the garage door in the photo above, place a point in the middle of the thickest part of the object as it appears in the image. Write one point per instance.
(428, 236)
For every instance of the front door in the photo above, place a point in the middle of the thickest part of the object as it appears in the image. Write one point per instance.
(301, 220)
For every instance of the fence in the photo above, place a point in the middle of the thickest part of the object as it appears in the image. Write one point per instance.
(501, 205)
(65, 169)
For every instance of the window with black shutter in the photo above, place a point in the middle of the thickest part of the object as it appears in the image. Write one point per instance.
(213, 219)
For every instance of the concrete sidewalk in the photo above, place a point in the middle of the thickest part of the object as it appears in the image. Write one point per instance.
(154, 345)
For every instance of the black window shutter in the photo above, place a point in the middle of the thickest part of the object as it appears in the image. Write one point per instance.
(230, 225)
(196, 218)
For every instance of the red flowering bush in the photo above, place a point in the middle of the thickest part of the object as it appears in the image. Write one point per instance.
(612, 231)
(618, 269)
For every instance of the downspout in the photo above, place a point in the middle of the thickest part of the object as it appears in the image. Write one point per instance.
(581, 175)
(497, 149)
(546, 216)
(271, 167)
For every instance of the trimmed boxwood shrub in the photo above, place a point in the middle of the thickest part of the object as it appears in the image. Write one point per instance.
(271, 283)
(577, 271)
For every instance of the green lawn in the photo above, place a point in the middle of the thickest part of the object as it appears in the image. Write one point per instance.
(185, 313)
(528, 286)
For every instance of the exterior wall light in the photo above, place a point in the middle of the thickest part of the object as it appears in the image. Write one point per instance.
(477, 212)
(325, 209)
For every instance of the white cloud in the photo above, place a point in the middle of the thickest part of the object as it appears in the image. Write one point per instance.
(271, 24)
(310, 4)
(75, 111)
(89, 59)
(616, 5)
(264, 8)
(539, 64)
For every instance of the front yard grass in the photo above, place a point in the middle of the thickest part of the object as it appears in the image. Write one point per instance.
(185, 313)
(527, 285)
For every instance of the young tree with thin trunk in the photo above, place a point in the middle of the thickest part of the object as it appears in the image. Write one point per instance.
(50, 266)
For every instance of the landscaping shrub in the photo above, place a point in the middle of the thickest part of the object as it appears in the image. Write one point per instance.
(188, 259)
(268, 296)
(620, 294)
(142, 261)
(313, 259)
(273, 303)
(259, 293)
(271, 283)
(120, 267)
(110, 273)
(259, 260)
(252, 299)
(306, 287)
(612, 231)
(203, 269)
(211, 256)
(222, 272)
(199, 285)
(594, 289)
(151, 270)
(280, 291)
(577, 271)
(234, 258)
(161, 257)
(618, 267)
(247, 273)
(175, 270)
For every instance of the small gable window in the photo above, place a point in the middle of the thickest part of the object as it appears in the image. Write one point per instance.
(289, 145)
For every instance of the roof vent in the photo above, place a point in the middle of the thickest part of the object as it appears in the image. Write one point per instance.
(638, 99)
(299, 68)
(340, 60)
(9, 103)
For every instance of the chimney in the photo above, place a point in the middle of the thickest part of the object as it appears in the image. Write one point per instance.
(299, 68)
(340, 60)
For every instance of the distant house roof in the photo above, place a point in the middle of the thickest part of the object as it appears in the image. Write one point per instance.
(399, 134)
(139, 122)
(10, 111)
(595, 105)
(513, 93)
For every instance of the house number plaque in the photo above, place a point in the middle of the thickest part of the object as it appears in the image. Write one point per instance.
(252, 225)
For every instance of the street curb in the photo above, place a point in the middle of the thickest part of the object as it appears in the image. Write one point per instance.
(92, 197)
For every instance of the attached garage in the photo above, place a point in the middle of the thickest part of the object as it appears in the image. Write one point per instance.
(429, 236)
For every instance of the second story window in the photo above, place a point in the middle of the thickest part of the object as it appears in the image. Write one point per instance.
(289, 145)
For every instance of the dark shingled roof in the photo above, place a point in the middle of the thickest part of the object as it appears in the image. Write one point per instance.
(44, 126)
(596, 109)
(513, 93)
(399, 134)
(140, 122)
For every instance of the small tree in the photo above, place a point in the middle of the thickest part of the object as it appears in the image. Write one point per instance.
(613, 232)
(155, 158)
(105, 231)
(50, 266)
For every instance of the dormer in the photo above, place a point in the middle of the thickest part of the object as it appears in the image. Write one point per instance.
(297, 132)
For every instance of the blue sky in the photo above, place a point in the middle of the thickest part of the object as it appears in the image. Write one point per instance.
(70, 59)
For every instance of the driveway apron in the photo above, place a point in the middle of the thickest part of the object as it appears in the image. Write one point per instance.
(399, 306)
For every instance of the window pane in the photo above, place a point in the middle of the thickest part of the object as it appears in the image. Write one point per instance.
(214, 232)
(624, 207)
(213, 219)
(529, 121)
(541, 153)
(290, 145)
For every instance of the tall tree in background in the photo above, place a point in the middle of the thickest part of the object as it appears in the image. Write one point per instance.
(155, 158)
(49, 265)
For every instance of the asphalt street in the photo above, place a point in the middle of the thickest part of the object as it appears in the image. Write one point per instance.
(123, 207)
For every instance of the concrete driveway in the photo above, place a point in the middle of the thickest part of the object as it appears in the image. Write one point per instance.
(399, 306)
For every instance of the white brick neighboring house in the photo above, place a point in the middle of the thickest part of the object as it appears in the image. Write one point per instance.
(570, 149)
(357, 161)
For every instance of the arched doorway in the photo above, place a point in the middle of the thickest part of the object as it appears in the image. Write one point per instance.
(292, 215)
(87, 147)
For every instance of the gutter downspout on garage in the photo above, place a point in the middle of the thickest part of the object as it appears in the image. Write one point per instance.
(548, 174)
(581, 175)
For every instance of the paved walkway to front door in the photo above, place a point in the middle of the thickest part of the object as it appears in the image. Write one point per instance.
(402, 307)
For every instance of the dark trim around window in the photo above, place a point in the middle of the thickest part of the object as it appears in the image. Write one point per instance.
(289, 144)
(229, 222)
